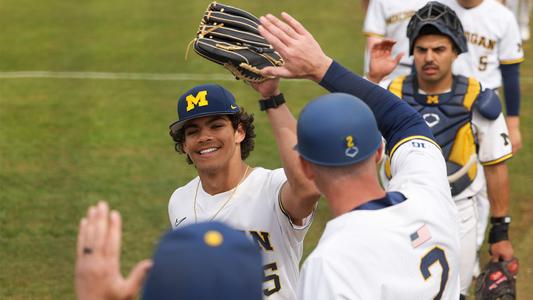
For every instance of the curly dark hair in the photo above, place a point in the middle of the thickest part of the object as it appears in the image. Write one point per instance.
(243, 118)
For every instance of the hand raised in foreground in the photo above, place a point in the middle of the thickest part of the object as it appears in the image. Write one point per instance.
(97, 273)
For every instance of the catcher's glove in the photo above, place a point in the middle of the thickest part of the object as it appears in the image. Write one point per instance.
(498, 281)
(228, 36)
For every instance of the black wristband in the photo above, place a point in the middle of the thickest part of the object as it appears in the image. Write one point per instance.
(271, 102)
(498, 232)
(500, 220)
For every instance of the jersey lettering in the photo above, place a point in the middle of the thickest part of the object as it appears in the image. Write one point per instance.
(273, 277)
(262, 239)
(436, 255)
(479, 40)
(505, 137)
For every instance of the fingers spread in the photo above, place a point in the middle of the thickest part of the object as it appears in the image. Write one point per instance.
(282, 26)
(91, 224)
(137, 276)
(82, 232)
(296, 26)
(112, 247)
(275, 30)
(101, 226)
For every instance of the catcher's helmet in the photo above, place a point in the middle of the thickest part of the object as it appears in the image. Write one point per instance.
(336, 130)
(440, 17)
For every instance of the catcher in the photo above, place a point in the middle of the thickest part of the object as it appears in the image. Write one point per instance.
(228, 36)
(467, 123)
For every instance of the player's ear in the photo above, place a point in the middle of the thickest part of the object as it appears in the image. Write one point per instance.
(307, 169)
(240, 134)
(380, 153)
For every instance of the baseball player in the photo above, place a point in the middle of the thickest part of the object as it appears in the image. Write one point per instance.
(387, 19)
(396, 244)
(494, 53)
(464, 120)
(274, 207)
(494, 56)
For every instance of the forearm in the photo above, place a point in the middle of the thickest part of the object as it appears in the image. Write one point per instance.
(511, 88)
(497, 178)
(395, 118)
(301, 194)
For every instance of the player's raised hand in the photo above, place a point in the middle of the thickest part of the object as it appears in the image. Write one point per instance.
(301, 53)
(97, 273)
(381, 61)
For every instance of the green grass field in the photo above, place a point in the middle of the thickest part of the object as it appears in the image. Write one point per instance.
(67, 143)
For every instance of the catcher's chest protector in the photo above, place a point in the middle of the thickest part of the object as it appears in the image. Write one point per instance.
(449, 117)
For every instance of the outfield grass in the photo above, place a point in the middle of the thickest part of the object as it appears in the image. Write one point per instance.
(66, 143)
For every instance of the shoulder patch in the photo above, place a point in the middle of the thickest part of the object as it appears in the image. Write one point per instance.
(488, 104)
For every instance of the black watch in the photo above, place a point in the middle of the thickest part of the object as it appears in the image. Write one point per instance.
(271, 102)
(500, 220)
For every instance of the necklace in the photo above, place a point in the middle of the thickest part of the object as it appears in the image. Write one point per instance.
(225, 202)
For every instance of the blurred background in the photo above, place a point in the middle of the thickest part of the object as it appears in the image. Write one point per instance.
(87, 91)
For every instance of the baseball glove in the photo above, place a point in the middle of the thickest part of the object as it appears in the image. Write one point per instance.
(498, 281)
(228, 36)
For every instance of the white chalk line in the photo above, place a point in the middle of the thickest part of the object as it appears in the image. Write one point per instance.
(114, 76)
(134, 76)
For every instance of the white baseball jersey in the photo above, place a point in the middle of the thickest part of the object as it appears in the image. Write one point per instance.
(255, 209)
(494, 147)
(493, 39)
(389, 19)
(408, 250)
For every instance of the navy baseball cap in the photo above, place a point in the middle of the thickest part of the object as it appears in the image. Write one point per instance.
(204, 100)
(205, 261)
(337, 129)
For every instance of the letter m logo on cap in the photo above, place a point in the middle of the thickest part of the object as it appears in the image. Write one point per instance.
(198, 100)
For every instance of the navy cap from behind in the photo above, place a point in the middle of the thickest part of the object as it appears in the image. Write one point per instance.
(337, 129)
(204, 100)
(205, 261)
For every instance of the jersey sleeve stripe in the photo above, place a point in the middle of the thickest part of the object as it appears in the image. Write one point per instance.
(407, 139)
(497, 161)
(512, 61)
(281, 205)
(373, 34)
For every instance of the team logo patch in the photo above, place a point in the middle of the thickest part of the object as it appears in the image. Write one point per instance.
(199, 100)
(431, 119)
(351, 148)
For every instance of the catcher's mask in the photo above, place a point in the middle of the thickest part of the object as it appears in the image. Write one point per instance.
(337, 130)
(443, 19)
(204, 100)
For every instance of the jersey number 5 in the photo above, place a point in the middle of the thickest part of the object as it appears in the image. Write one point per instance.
(276, 286)
(435, 255)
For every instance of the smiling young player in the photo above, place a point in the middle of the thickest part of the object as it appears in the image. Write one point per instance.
(274, 207)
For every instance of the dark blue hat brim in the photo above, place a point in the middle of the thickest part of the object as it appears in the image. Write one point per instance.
(174, 127)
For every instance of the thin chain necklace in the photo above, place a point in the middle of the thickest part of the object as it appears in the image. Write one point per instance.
(225, 202)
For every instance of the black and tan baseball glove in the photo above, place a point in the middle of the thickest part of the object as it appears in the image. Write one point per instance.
(498, 281)
(228, 36)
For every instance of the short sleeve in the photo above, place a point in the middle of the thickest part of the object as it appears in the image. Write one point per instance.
(375, 19)
(493, 139)
(294, 231)
(510, 47)
(418, 161)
